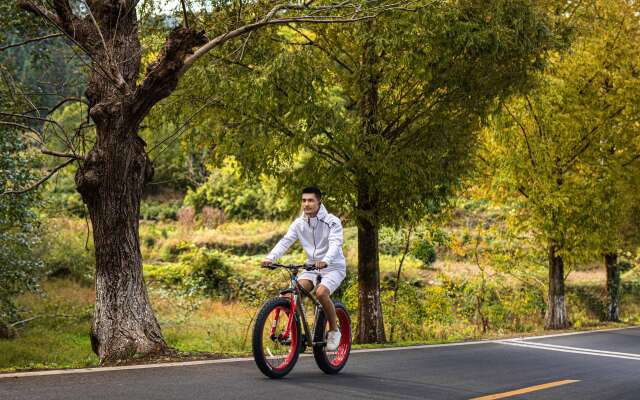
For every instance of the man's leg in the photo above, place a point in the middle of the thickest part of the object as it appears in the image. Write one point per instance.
(322, 293)
(306, 283)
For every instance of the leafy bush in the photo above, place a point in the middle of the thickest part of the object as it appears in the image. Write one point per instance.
(159, 210)
(197, 271)
(19, 233)
(208, 273)
(424, 251)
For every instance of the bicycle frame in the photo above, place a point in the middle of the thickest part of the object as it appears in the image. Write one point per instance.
(297, 304)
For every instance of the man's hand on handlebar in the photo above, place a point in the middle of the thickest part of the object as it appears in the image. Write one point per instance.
(266, 263)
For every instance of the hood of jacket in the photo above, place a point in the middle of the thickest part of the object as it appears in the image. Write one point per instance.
(321, 215)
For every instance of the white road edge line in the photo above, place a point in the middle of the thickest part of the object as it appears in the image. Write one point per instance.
(575, 333)
(243, 359)
(583, 351)
(555, 346)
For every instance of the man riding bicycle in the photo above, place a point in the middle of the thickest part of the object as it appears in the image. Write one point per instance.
(320, 235)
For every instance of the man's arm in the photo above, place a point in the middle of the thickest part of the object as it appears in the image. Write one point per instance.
(335, 241)
(283, 245)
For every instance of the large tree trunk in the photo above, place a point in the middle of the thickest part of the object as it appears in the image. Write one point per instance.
(613, 287)
(112, 176)
(556, 316)
(370, 321)
(111, 184)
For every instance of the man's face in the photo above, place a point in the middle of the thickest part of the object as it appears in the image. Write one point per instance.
(310, 204)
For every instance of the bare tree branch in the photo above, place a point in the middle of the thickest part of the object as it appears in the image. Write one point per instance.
(184, 11)
(268, 20)
(46, 151)
(524, 133)
(39, 138)
(174, 135)
(64, 101)
(41, 181)
(45, 37)
(586, 140)
(75, 29)
(113, 67)
(36, 8)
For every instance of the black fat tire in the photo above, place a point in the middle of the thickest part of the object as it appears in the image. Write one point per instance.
(319, 336)
(258, 329)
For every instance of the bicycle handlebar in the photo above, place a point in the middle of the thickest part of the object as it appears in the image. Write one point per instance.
(306, 267)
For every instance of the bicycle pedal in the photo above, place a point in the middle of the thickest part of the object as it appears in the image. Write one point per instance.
(323, 343)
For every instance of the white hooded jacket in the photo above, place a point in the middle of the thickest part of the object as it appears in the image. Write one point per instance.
(320, 237)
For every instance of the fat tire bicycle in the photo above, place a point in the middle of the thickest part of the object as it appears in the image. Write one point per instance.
(278, 337)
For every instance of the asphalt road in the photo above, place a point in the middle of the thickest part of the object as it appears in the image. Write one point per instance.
(597, 365)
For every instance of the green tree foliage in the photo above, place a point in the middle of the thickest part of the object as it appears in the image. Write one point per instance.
(570, 145)
(382, 114)
(237, 196)
(37, 56)
(19, 264)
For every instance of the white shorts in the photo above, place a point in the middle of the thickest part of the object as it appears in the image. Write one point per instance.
(330, 279)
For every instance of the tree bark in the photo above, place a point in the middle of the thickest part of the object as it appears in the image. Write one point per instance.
(111, 184)
(370, 320)
(556, 316)
(613, 287)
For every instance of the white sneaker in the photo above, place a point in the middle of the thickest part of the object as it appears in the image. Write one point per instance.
(333, 340)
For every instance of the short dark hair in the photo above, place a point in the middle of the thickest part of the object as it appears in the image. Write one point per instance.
(314, 190)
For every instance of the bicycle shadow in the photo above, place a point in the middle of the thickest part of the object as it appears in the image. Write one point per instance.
(350, 384)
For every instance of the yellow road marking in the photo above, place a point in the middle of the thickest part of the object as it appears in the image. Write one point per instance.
(525, 390)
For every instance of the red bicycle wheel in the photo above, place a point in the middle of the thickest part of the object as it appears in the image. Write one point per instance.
(276, 338)
(331, 362)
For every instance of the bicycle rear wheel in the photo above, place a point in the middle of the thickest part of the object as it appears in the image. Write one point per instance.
(276, 338)
(331, 362)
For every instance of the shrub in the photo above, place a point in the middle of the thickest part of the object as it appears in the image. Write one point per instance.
(159, 210)
(211, 217)
(424, 251)
(207, 273)
(197, 271)
(391, 241)
(19, 234)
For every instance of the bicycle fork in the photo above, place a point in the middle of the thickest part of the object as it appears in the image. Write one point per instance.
(286, 335)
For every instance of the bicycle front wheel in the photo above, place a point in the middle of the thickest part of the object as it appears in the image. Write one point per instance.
(331, 362)
(276, 338)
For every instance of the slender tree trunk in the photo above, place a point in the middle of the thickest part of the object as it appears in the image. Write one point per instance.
(370, 321)
(613, 287)
(6, 331)
(556, 316)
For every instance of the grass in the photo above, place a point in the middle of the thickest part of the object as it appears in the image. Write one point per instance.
(58, 336)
